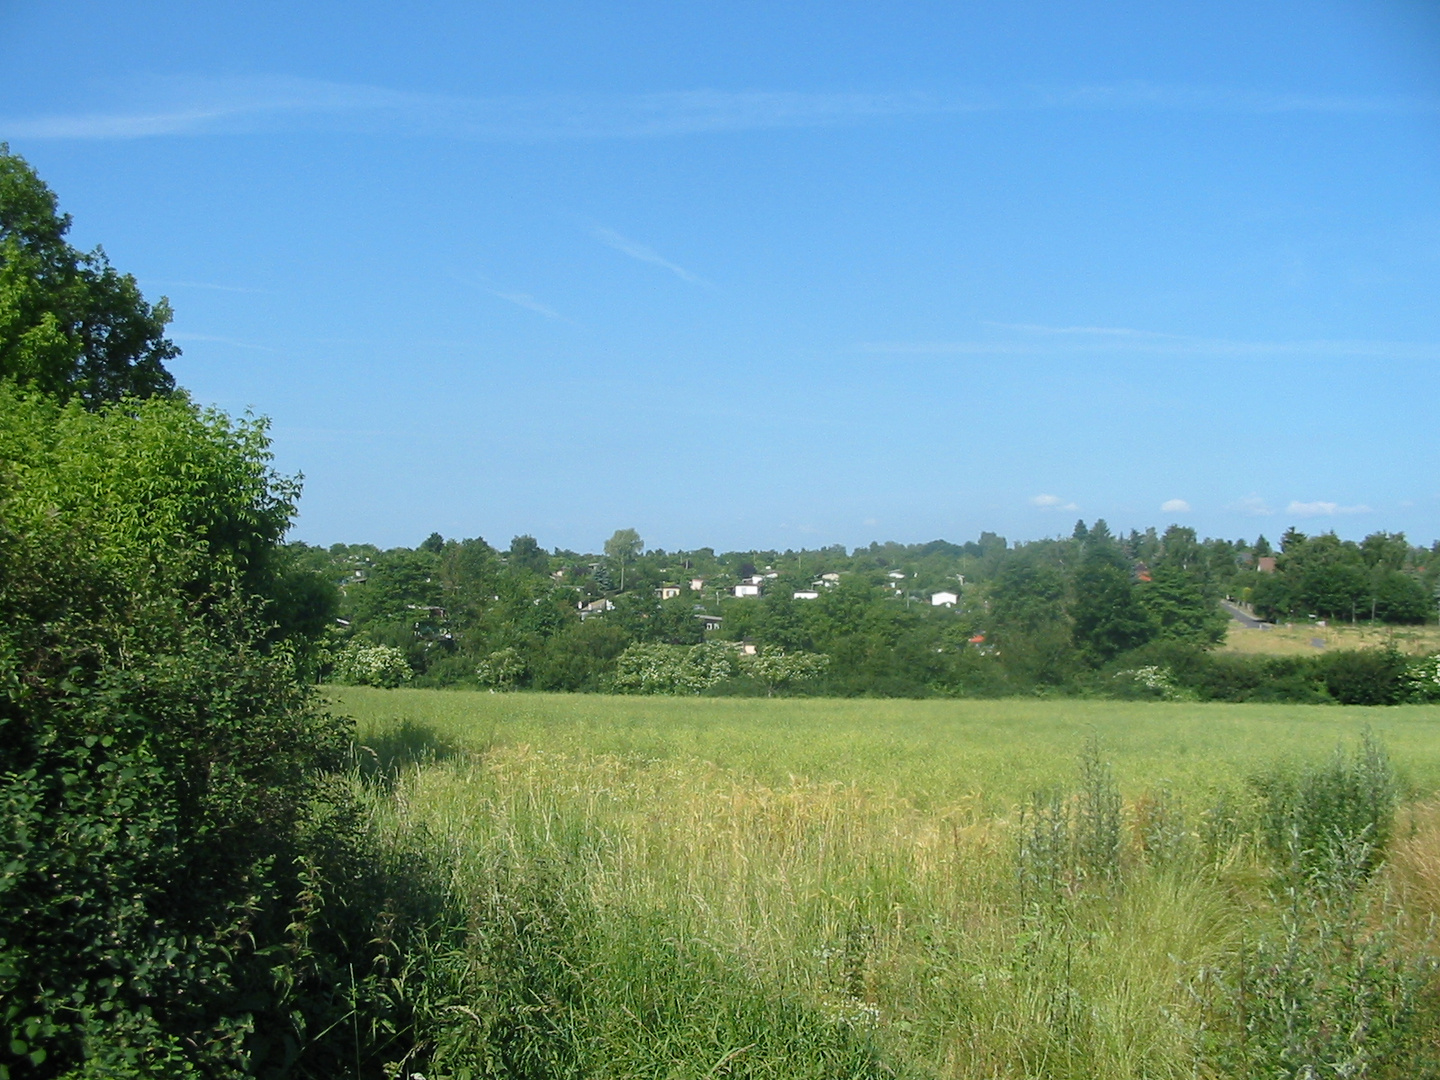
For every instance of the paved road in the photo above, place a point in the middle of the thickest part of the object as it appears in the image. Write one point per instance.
(1247, 621)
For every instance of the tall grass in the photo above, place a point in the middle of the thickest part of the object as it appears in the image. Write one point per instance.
(653, 913)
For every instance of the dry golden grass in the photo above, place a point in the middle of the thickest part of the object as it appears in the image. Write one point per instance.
(1413, 870)
(1297, 639)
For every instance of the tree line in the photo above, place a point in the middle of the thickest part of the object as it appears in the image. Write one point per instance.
(1059, 615)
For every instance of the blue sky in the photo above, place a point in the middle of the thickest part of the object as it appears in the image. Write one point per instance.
(771, 275)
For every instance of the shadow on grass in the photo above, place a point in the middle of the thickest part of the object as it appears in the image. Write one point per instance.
(381, 756)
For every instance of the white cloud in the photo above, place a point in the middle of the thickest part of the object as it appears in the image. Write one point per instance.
(1175, 506)
(1323, 509)
(1251, 506)
(1052, 502)
(626, 246)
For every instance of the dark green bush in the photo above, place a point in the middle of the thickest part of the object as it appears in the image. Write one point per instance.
(1259, 679)
(1369, 677)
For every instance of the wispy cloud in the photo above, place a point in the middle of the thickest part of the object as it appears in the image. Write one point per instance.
(1040, 342)
(1052, 502)
(1323, 509)
(196, 106)
(529, 303)
(635, 250)
(210, 286)
(179, 106)
(183, 336)
(513, 296)
(1251, 506)
(1175, 506)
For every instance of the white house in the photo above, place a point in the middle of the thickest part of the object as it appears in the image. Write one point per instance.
(748, 588)
(830, 579)
(944, 599)
(595, 607)
(696, 584)
(895, 575)
(668, 592)
(806, 594)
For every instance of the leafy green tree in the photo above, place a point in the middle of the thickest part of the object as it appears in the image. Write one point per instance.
(776, 668)
(1401, 598)
(400, 581)
(622, 549)
(1180, 598)
(528, 556)
(70, 324)
(578, 658)
(1108, 617)
(1027, 596)
(1181, 608)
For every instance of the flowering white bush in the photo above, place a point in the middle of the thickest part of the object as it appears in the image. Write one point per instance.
(372, 665)
(693, 669)
(1423, 677)
(1151, 680)
(673, 669)
(501, 668)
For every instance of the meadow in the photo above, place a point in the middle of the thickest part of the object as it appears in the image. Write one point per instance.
(1022, 888)
(1299, 638)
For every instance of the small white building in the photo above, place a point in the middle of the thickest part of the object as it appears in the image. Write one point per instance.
(748, 588)
(668, 592)
(696, 584)
(595, 607)
(806, 594)
(944, 599)
(895, 575)
(830, 579)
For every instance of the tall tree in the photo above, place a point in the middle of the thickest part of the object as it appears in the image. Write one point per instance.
(526, 554)
(70, 324)
(622, 549)
(1108, 617)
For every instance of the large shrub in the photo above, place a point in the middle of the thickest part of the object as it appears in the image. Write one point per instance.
(1365, 677)
(169, 819)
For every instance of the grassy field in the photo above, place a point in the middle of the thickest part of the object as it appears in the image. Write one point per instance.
(701, 888)
(1298, 639)
(985, 754)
